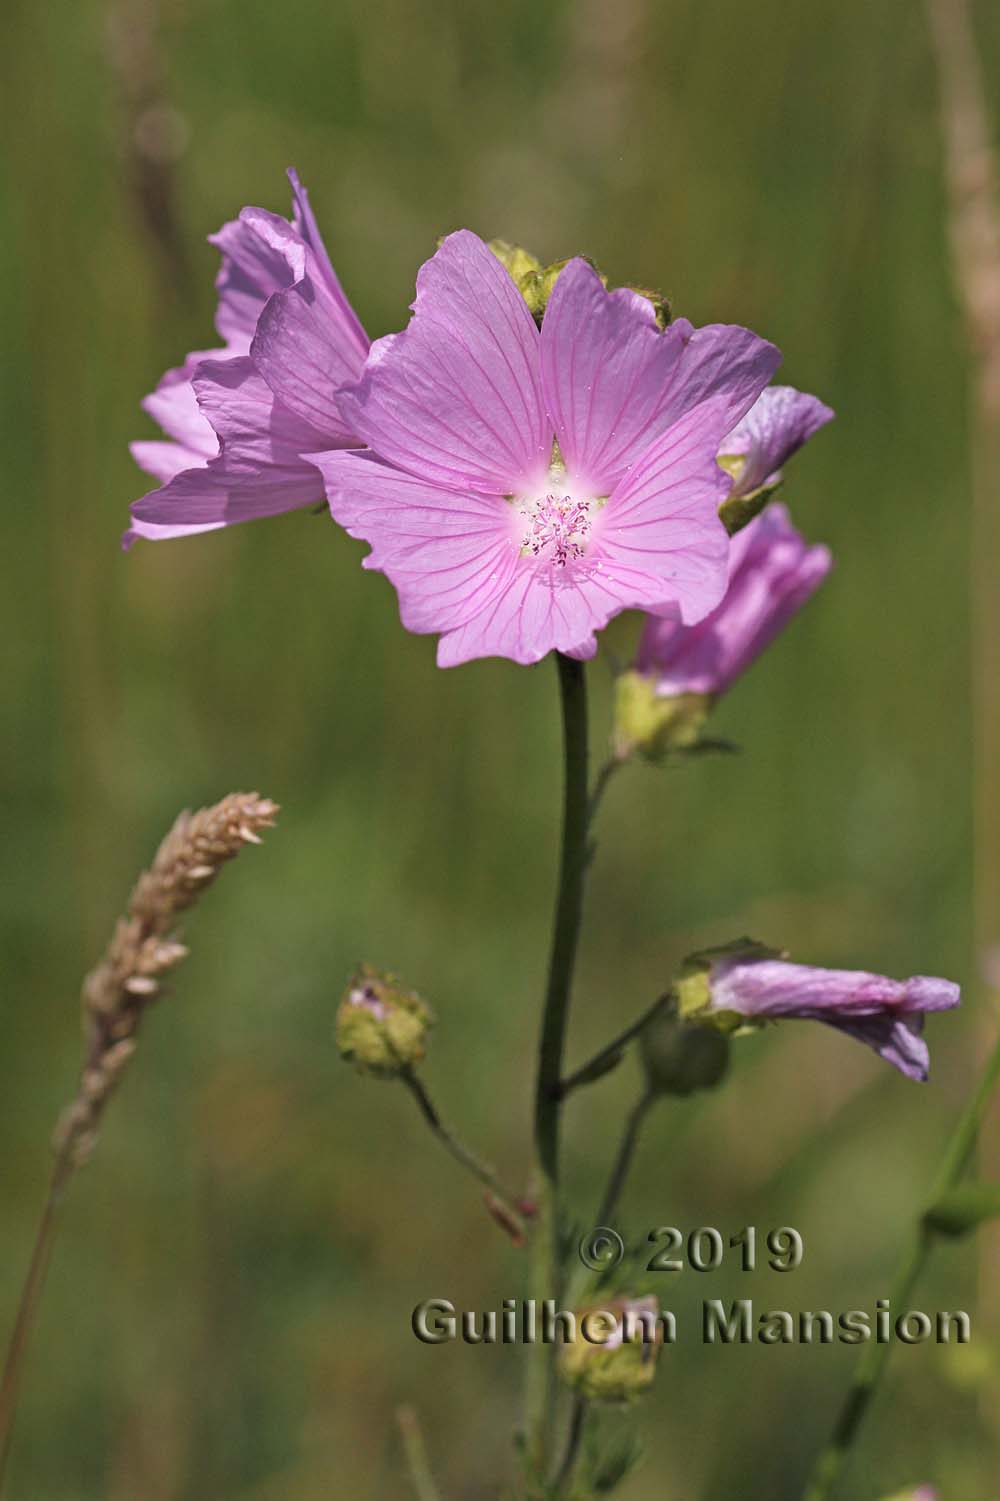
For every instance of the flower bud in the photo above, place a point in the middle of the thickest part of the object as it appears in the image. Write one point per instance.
(652, 725)
(682, 1057)
(515, 259)
(381, 1027)
(613, 1355)
(660, 304)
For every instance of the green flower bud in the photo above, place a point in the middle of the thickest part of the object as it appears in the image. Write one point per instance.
(381, 1027)
(681, 1057)
(652, 725)
(661, 305)
(518, 261)
(613, 1356)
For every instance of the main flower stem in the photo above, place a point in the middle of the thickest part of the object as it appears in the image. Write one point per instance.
(546, 1269)
(871, 1367)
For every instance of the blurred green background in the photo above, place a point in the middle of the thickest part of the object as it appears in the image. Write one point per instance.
(229, 1303)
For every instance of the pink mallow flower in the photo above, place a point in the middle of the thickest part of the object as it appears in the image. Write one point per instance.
(773, 571)
(500, 542)
(745, 982)
(239, 418)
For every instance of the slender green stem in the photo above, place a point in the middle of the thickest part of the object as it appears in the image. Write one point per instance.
(626, 1152)
(415, 1450)
(546, 1269)
(577, 1424)
(871, 1367)
(601, 784)
(604, 1060)
(27, 1308)
(463, 1154)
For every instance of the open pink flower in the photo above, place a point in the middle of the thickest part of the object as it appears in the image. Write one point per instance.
(493, 538)
(238, 419)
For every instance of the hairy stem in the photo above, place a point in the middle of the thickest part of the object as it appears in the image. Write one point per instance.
(871, 1367)
(546, 1269)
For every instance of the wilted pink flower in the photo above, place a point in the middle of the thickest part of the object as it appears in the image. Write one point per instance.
(776, 426)
(749, 981)
(239, 418)
(772, 572)
(503, 544)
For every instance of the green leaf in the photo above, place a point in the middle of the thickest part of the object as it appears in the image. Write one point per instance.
(964, 1209)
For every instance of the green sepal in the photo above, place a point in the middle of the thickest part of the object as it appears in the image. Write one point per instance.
(739, 510)
(653, 726)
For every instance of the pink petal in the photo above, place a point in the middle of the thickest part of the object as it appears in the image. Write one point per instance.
(174, 407)
(308, 342)
(259, 471)
(780, 421)
(663, 518)
(447, 554)
(305, 223)
(456, 399)
(613, 382)
(261, 254)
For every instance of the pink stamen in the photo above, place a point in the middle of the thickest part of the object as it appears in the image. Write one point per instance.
(560, 523)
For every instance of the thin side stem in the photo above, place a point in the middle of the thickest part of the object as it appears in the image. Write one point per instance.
(546, 1269)
(871, 1366)
(415, 1450)
(605, 1059)
(31, 1293)
(623, 1161)
(457, 1148)
(577, 1423)
(601, 783)
(617, 1178)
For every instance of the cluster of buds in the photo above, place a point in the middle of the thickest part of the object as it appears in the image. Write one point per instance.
(535, 281)
(382, 1027)
(613, 1353)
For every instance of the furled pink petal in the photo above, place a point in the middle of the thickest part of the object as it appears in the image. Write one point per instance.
(456, 399)
(614, 383)
(772, 573)
(305, 224)
(663, 517)
(885, 1014)
(238, 443)
(448, 554)
(780, 421)
(895, 1039)
(260, 470)
(261, 254)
